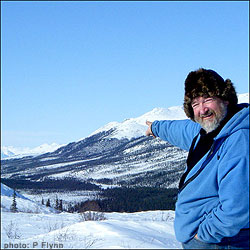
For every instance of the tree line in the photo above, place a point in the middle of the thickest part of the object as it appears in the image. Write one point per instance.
(67, 183)
(58, 204)
(122, 199)
(130, 200)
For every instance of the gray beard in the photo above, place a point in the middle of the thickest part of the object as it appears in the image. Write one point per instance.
(210, 126)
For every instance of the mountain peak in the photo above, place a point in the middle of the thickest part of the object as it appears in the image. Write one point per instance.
(136, 127)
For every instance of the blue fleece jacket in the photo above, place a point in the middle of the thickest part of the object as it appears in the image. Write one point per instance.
(214, 201)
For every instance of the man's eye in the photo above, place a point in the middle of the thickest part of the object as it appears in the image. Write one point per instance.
(208, 100)
(194, 105)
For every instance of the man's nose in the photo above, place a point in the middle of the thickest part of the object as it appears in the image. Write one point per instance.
(203, 109)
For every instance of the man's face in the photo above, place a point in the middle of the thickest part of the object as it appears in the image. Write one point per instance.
(209, 112)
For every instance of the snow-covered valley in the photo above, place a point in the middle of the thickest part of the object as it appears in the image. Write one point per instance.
(38, 227)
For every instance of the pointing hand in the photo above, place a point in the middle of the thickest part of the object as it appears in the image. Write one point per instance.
(149, 131)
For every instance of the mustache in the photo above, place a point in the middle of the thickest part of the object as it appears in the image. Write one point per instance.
(208, 113)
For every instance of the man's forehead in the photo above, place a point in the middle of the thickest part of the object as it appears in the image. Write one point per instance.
(202, 98)
(199, 98)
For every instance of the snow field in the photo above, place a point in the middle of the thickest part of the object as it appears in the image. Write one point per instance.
(38, 227)
(149, 230)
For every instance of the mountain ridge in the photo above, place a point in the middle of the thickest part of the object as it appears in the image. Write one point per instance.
(118, 154)
(137, 124)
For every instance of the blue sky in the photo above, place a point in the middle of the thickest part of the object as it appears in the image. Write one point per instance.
(69, 68)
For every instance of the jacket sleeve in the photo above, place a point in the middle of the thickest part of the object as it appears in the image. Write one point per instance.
(232, 211)
(179, 133)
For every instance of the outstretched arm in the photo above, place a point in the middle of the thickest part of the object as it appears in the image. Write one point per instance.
(179, 133)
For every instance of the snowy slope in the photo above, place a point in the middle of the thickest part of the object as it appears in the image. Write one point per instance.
(23, 204)
(7, 191)
(148, 230)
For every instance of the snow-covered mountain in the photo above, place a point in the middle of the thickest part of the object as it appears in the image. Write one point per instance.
(136, 127)
(129, 128)
(117, 154)
(100, 161)
(17, 152)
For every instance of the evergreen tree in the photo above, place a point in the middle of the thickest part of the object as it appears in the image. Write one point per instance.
(13, 207)
(60, 206)
(48, 203)
(57, 204)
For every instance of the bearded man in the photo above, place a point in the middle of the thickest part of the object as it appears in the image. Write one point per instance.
(212, 209)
